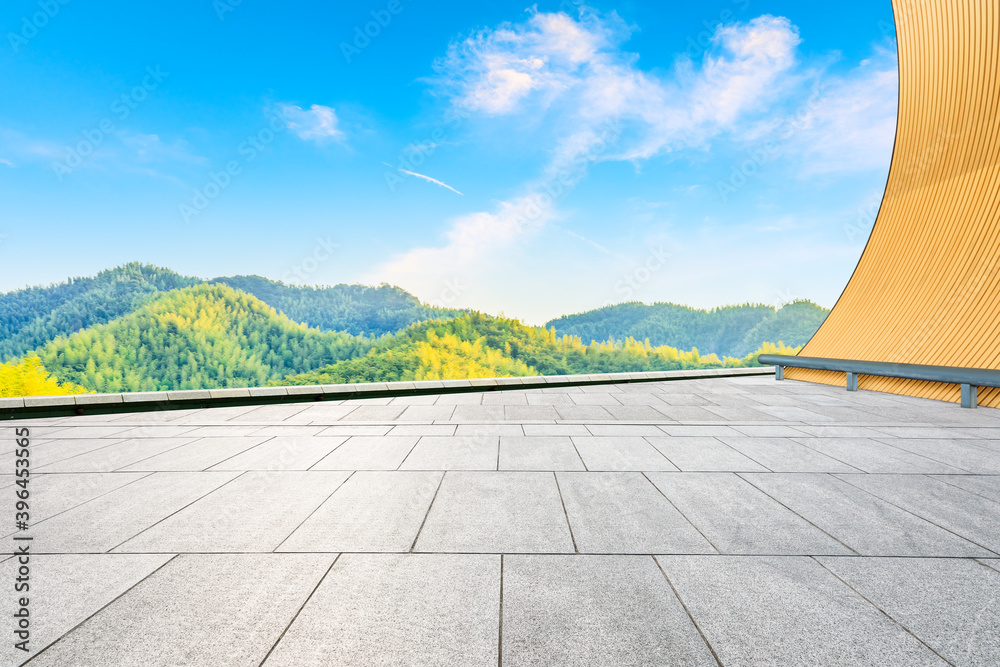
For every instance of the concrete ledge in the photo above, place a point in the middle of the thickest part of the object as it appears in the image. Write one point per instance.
(60, 406)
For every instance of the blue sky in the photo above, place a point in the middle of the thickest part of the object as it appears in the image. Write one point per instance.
(531, 160)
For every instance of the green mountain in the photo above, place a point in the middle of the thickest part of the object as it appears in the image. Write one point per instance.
(201, 337)
(32, 317)
(356, 309)
(477, 345)
(729, 331)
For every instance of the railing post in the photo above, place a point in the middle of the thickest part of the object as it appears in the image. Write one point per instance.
(852, 381)
(779, 372)
(970, 398)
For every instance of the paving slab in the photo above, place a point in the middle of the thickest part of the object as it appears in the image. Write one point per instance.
(496, 512)
(866, 524)
(117, 456)
(623, 513)
(198, 455)
(594, 610)
(870, 455)
(554, 430)
(987, 486)
(975, 518)
(67, 589)
(454, 453)
(423, 429)
(538, 453)
(105, 522)
(703, 453)
(421, 413)
(963, 622)
(54, 494)
(49, 452)
(603, 453)
(361, 452)
(248, 600)
(425, 609)
(254, 512)
(967, 455)
(737, 518)
(283, 453)
(787, 610)
(374, 511)
(785, 455)
(355, 429)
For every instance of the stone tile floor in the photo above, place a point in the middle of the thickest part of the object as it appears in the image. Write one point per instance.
(704, 522)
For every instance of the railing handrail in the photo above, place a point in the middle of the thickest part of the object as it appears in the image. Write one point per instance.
(969, 378)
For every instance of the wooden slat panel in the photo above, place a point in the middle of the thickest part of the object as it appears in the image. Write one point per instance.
(927, 288)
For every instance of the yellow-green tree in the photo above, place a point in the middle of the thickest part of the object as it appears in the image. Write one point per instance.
(28, 377)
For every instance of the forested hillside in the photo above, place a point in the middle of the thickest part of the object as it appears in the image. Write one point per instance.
(200, 337)
(32, 317)
(729, 331)
(356, 309)
(476, 345)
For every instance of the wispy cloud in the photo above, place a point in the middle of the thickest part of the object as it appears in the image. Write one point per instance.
(6, 162)
(317, 123)
(429, 180)
(603, 107)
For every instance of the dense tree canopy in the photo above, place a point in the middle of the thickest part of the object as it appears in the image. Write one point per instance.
(729, 331)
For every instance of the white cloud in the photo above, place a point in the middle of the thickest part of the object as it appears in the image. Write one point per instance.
(318, 123)
(851, 124)
(605, 108)
(430, 180)
(6, 162)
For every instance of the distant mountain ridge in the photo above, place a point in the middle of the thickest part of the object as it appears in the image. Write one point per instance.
(32, 317)
(733, 331)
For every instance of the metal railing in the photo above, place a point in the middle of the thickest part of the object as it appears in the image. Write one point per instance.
(969, 378)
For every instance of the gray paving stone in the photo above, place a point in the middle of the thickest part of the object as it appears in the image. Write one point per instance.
(987, 486)
(283, 453)
(870, 526)
(290, 430)
(399, 610)
(595, 398)
(623, 513)
(963, 622)
(270, 414)
(530, 413)
(496, 512)
(117, 456)
(198, 455)
(622, 430)
(86, 432)
(255, 512)
(690, 431)
(931, 432)
(836, 431)
(594, 610)
(683, 413)
(67, 589)
(554, 430)
(737, 518)
(372, 511)
(488, 429)
(55, 494)
(156, 431)
(962, 454)
(355, 429)
(786, 455)
(427, 413)
(584, 413)
(105, 522)
(423, 429)
(620, 453)
(48, 452)
(703, 453)
(767, 610)
(741, 414)
(538, 453)
(973, 517)
(478, 413)
(454, 453)
(368, 453)
(247, 602)
(873, 456)
(549, 398)
(374, 413)
(224, 431)
(471, 398)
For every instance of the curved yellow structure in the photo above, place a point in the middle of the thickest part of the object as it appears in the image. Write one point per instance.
(927, 288)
